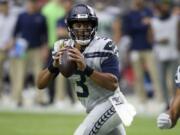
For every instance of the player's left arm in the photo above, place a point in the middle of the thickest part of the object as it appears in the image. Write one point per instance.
(174, 110)
(169, 119)
(109, 76)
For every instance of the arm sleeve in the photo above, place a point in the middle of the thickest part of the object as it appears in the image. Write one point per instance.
(111, 63)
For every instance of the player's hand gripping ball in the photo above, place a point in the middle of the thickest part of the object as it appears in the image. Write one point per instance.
(66, 66)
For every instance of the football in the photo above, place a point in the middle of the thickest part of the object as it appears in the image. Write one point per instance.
(67, 66)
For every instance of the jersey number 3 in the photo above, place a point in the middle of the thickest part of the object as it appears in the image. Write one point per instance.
(81, 84)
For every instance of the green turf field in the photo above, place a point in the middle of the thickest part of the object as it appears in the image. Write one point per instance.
(58, 124)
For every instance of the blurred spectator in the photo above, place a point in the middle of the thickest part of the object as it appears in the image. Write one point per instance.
(30, 37)
(122, 42)
(61, 26)
(165, 31)
(116, 28)
(53, 10)
(7, 23)
(136, 25)
(105, 18)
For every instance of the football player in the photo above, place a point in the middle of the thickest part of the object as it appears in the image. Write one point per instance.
(97, 75)
(169, 119)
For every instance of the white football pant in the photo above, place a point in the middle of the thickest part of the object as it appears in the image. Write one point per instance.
(102, 120)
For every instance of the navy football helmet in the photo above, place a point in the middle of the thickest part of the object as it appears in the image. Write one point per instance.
(85, 14)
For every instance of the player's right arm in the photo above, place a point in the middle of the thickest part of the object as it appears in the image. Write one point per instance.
(44, 78)
(49, 73)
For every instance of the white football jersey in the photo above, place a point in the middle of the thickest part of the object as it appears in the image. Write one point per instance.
(97, 52)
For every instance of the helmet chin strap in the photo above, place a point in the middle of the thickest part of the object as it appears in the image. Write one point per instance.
(83, 42)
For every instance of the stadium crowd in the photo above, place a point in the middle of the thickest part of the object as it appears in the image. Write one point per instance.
(146, 32)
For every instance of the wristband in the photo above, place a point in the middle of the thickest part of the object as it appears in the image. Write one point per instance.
(52, 69)
(88, 71)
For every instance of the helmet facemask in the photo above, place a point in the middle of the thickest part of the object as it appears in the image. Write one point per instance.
(82, 32)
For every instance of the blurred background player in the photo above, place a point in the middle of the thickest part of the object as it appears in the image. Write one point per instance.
(30, 40)
(169, 119)
(103, 12)
(7, 24)
(165, 27)
(136, 25)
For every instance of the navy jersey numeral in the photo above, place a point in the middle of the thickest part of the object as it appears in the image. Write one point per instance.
(81, 84)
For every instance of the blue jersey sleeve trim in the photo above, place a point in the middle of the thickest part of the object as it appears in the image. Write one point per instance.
(111, 65)
(97, 54)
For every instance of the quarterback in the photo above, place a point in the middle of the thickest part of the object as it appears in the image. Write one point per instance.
(169, 119)
(96, 78)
